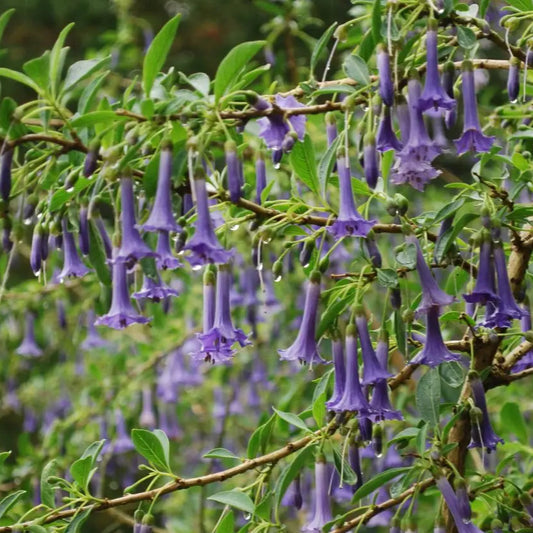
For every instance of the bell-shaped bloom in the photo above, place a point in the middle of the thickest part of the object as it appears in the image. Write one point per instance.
(472, 138)
(36, 249)
(260, 176)
(108, 247)
(513, 79)
(437, 130)
(432, 295)
(507, 308)
(233, 165)
(121, 313)
(483, 435)
(433, 96)
(147, 418)
(434, 351)
(165, 258)
(154, 289)
(380, 404)
(203, 246)
(386, 138)
(322, 505)
(370, 161)
(484, 289)
(29, 346)
(331, 128)
(349, 221)
(132, 247)
(403, 116)
(91, 160)
(6, 160)
(304, 348)
(386, 88)
(122, 442)
(373, 371)
(463, 522)
(293, 496)
(93, 339)
(353, 398)
(373, 251)
(84, 230)
(339, 372)
(161, 216)
(525, 325)
(72, 264)
(218, 341)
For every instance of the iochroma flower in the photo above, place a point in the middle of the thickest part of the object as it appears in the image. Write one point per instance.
(322, 505)
(513, 79)
(386, 88)
(339, 371)
(29, 346)
(165, 258)
(234, 171)
(154, 289)
(386, 138)
(73, 266)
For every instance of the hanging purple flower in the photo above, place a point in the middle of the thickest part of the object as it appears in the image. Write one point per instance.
(339, 373)
(147, 418)
(433, 95)
(203, 245)
(513, 79)
(349, 221)
(322, 505)
(108, 247)
(483, 435)
(6, 160)
(293, 497)
(260, 176)
(29, 346)
(165, 258)
(121, 313)
(404, 121)
(91, 159)
(472, 138)
(386, 138)
(384, 517)
(432, 295)
(234, 169)
(525, 325)
(331, 128)
(434, 351)
(132, 247)
(370, 161)
(36, 249)
(386, 88)
(353, 398)
(218, 341)
(437, 130)
(304, 348)
(93, 339)
(161, 216)
(154, 289)
(122, 442)
(84, 230)
(373, 251)
(72, 264)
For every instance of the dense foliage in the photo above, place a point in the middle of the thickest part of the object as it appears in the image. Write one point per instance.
(290, 296)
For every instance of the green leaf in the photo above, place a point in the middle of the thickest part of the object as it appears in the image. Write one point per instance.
(97, 117)
(149, 445)
(97, 255)
(446, 240)
(303, 162)
(292, 419)
(38, 70)
(81, 471)
(452, 373)
(235, 498)
(47, 491)
(421, 439)
(260, 437)
(348, 475)
(320, 45)
(227, 524)
(233, 65)
(336, 306)
(512, 421)
(9, 501)
(4, 19)
(89, 93)
(36, 529)
(376, 21)
(163, 439)
(356, 68)
(377, 481)
(449, 209)
(57, 57)
(406, 257)
(3, 457)
(220, 453)
(387, 277)
(405, 436)
(157, 52)
(399, 332)
(21, 78)
(428, 396)
(58, 200)
(466, 37)
(387, 159)
(81, 70)
(78, 521)
(325, 165)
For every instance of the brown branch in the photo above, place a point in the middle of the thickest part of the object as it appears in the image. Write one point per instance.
(519, 375)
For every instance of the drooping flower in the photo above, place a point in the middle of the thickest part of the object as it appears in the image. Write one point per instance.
(384, 517)
(260, 176)
(6, 160)
(404, 121)
(147, 418)
(72, 264)
(339, 372)
(165, 258)
(108, 247)
(304, 348)
(386, 88)
(353, 398)
(483, 435)
(433, 95)
(93, 339)
(349, 221)
(513, 79)
(122, 442)
(36, 249)
(331, 128)
(218, 341)
(91, 159)
(154, 289)
(472, 138)
(370, 161)
(386, 138)
(29, 346)
(234, 169)
(203, 246)
(293, 497)
(121, 313)
(437, 130)
(373, 251)
(434, 351)
(84, 230)
(432, 295)
(132, 247)
(525, 325)
(322, 505)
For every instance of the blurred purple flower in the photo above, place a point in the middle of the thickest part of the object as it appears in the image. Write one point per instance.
(322, 505)
(29, 346)
(72, 264)
(386, 138)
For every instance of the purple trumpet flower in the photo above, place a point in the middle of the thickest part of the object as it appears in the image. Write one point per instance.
(349, 221)
(72, 264)
(413, 163)
(147, 418)
(353, 398)
(484, 289)
(384, 517)
(217, 343)
(132, 247)
(93, 339)
(165, 258)
(513, 79)
(209, 299)
(233, 165)
(36, 249)
(91, 159)
(483, 435)
(373, 251)
(472, 138)
(403, 116)
(432, 295)
(463, 522)
(84, 230)
(322, 505)
(380, 404)
(304, 348)
(437, 130)
(6, 160)
(154, 289)
(525, 325)
(108, 247)
(29, 346)
(260, 176)
(121, 313)
(331, 128)
(386, 138)
(354, 459)
(293, 497)
(122, 442)
(433, 95)
(386, 88)
(373, 371)
(275, 128)
(370, 161)
(161, 217)
(339, 372)
(434, 351)
(203, 245)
